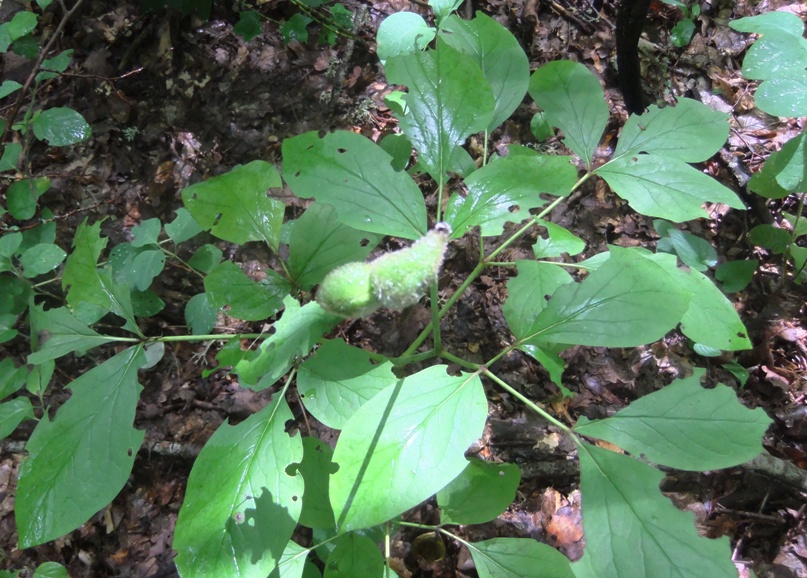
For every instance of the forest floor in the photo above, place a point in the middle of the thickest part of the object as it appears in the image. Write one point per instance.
(173, 100)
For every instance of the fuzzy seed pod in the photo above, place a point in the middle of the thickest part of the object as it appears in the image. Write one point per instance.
(346, 291)
(395, 280)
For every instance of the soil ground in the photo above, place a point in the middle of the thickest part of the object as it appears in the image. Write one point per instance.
(173, 100)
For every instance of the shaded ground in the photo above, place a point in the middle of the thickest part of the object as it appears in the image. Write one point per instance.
(175, 100)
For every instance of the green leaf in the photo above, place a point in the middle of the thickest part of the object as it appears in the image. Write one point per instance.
(15, 295)
(61, 127)
(7, 322)
(241, 505)
(665, 187)
(21, 24)
(558, 241)
(629, 300)
(294, 563)
(573, 101)
(13, 413)
(410, 440)
(775, 55)
(799, 224)
(320, 243)
(11, 378)
(39, 377)
(353, 175)
(42, 233)
(774, 22)
(316, 469)
(11, 154)
(296, 28)
(403, 33)
(200, 314)
(338, 379)
(711, 318)
(183, 227)
(682, 32)
(399, 147)
(10, 243)
(772, 238)
(94, 429)
(690, 131)
(21, 197)
(146, 233)
(449, 100)
(355, 556)
(295, 334)
(442, 8)
(540, 128)
(735, 275)
(518, 558)
(87, 284)
(9, 87)
(633, 531)
(206, 258)
(41, 259)
(60, 333)
(694, 252)
(685, 426)
(146, 303)
(60, 62)
(248, 25)
(497, 53)
(481, 492)
(51, 570)
(527, 293)
(234, 206)
(136, 267)
(784, 95)
(789, 164)
(504, 190)
(227, 286)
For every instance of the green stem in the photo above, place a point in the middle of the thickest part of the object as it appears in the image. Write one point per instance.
(436, 338)
(532, 405)
(459, 360)
(208, 337)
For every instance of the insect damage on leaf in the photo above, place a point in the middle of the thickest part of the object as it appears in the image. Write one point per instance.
(395, 280)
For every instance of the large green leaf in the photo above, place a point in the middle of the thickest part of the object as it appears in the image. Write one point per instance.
(404, 445)
(711, 318)
(61, 127)
(497, 53)
(775, 22)
(21, 197)
(355, 556)
(789, 165)
(518, 558)
(80, 461)
(316, 468)
(527, 293)
(504, 190)
(354, 175)
(227, 286)
(775, 55)
(235, 207)
(665, 187)
(402, 33)
(573, 101)
(320, 243)
(629, 300)
(784, 95)
(633, 531)
(60, 333)
(295, 334)
(13, 413)
(479, 494)
(89, 285)
(338, 379)
(448, 100)
(241, 505)
(689, 131)
(685, 426)
(41, 259)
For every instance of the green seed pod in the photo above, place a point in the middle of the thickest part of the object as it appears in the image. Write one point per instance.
(346, 291)
(399, 279)
(395, 280)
